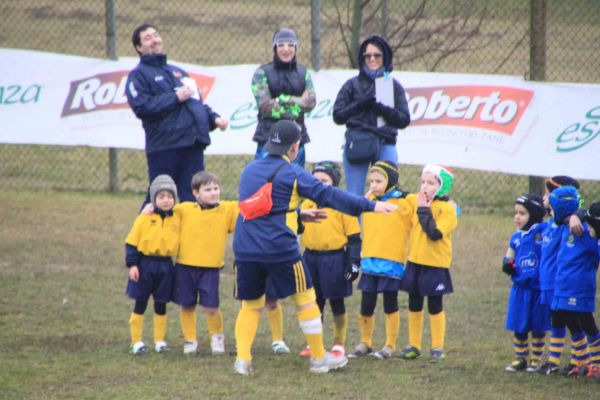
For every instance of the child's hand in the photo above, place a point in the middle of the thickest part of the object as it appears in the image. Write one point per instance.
(508, 266)
(575, 225)
(383, 207)
(148, 209)
(315, 215)
(134, 273)
(422, 200)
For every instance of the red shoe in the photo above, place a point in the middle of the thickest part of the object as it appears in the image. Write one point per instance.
(306, 352)
(579, 370)
(338, 350)
(593, 371)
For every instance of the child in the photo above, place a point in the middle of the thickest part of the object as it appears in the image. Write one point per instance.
(525, 312)
(205, 224)
(383, 256)
(575, 285)
(429, 259)
(332, 254)
(551, 237)
(149, 246)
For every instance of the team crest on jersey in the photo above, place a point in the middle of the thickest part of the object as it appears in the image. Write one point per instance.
(572, 301)
(538, 238)
(177, 74)
(571, 240)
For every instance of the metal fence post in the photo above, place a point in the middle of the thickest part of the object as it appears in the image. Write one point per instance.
(315, 34)
(111, 53)
(537, 63)
(384, 17)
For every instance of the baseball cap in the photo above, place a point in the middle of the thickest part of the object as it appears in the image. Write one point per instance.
(282, 135)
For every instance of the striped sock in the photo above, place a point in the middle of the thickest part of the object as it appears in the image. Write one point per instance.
(594, 349)
(580, 344)
(392, 328)
(521, 347)
(557, 343)
(366, 326)
(537, 348)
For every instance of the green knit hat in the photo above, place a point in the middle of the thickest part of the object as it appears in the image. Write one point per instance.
(444, 174)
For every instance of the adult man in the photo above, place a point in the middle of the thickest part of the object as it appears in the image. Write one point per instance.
(175, 120)
(268, 247)
(283, 90)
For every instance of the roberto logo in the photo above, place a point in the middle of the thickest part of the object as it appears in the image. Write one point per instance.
(107, 92)
(579, 134)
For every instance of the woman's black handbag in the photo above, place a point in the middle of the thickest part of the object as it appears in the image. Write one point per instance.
(361, 146)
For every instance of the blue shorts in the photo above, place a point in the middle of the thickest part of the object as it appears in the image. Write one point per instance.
(327, 273)
(378, 284)
(286, 278)
(578, 304)
(426, 281)
(156, 279)
(194, 282)
(525, 312)
(546, 297)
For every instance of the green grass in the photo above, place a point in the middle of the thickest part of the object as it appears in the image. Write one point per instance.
(64, 331)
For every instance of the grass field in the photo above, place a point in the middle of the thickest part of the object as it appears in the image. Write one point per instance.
(64, 331)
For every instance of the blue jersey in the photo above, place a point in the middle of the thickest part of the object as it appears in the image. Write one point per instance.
(551, 237)
(527, 247)
(577, 262)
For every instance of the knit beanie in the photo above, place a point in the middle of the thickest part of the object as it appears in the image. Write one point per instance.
(285, 35)
(389, 170)
(534, 205)
(560, 180)
(445, 176)
(160, 183)
(564, 201)
(592, 217)
(330, 168)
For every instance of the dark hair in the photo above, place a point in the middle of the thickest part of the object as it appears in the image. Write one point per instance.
(203, 178)
(135, 36)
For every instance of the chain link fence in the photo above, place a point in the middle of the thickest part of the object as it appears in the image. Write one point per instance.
(487, 37)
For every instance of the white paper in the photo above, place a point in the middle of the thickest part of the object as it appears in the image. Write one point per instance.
(191, 83)
(384, 94)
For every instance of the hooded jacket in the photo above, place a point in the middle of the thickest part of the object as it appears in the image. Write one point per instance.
(347, 108)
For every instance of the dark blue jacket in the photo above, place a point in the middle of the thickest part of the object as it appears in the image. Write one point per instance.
(168, 123)
(273, 238)
(347, 108)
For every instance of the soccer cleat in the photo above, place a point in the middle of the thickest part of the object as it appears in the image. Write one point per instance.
(279, 347)
(593, 372)
(384, 353)
(566, 370)
(305, 352)
(243, 367)
(437, 356)
(217, 344)
(161, 347)
(338, 350)
(138, 349)
(518, 365)
(579, 371)
(534, 366)
(548, 368)
(409, 353)
(360, 350)
(328, 363)
(190, 347)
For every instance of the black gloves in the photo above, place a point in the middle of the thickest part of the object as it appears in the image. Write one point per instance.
(381, 109)
(508, 266)
(364, 104)
(351, 271)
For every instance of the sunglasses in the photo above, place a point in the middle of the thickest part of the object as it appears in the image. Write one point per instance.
(376, 56)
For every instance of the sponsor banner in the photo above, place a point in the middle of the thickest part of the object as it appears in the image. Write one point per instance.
(484, 122)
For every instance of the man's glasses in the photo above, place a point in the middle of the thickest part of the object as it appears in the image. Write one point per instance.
(376, 56)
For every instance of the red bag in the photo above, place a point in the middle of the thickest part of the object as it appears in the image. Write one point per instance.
(261, 202)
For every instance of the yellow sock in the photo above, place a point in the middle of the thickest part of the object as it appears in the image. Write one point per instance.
(215, 323)
(312, 327)
(415, 328)
(366, 326)
(536, 348)
(276, 323)
(392, 327)
(340, 326)
(188, 324)
(136, 326)
(438, 329)
(246, 326)
(160, 327)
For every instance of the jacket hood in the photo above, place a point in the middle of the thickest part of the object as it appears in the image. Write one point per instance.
(385, 49)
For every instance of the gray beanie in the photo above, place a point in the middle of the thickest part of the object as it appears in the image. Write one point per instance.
(160, 183)
(285, 35)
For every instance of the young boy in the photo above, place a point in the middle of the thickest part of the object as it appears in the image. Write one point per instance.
(332, 254)
(384, 251)
(429, 259)
(575, 286)
(149, 246)
(205, 224)
(525, 312)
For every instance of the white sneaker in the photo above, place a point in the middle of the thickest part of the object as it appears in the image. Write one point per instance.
(243, 367)
(138, 349)
(190, 347)
(279, 347)
(217, 344)
(329, 363)
(161, 347)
